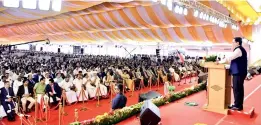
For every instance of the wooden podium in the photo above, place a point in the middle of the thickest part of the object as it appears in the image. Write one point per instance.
(218, 89)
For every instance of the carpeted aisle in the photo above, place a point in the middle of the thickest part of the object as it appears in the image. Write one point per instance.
(178, 114)
(92, 109)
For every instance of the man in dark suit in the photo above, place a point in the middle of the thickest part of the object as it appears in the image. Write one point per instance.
(120, 100)
(25, 92)
(53, 90)
(238, 69)
(6, 96)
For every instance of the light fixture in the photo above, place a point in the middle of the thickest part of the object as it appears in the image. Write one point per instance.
(44, 4)
(154, 0)
(196, 13)
(169, 4)
(207, 17)
(201, 15)
(163, 2)
(11, 3)
(29, 4)
(56, 5)
(176, 9)
(180, 10)
(185, 11)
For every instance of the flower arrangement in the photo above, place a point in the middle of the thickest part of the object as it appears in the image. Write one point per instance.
(211, 58)
(126, 112)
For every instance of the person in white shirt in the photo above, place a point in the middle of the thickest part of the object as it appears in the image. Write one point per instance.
(16, 84)
(174, 74)
(66, 85)
(58, 78)
(82, 94)
(101, 90)
(90, 88)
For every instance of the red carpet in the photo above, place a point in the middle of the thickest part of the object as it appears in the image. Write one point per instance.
(91, 105)
(178, 114)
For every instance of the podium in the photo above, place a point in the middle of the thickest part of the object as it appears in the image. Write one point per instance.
(218, 88)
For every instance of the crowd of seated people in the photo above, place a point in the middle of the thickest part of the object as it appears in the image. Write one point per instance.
(52, 77)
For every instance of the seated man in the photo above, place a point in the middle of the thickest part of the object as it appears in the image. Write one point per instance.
(39, 89)
(120, 100)
(67, 85)
(53, 90)
(6, 96)
(25, 92)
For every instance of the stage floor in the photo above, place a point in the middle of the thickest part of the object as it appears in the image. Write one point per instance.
(179, 114)
(92, 111)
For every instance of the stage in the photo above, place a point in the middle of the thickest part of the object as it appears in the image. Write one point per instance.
(179, 114)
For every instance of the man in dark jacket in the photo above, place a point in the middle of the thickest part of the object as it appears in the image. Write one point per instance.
(53, 90)
(7, 95)
(238, 69)
(120, 100)
(25, 92)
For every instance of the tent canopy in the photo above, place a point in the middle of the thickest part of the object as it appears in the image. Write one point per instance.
(83, 21)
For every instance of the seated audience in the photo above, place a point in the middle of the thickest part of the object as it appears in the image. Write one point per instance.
(53, 91)
(120, 100)
(25, 92)
(7, 95)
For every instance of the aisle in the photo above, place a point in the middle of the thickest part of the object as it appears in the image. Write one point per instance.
(178, 114)
(93, 110)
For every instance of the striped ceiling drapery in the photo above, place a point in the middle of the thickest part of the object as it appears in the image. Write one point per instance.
(108, 21)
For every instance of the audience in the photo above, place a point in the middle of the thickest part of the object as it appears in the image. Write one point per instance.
(52, 77)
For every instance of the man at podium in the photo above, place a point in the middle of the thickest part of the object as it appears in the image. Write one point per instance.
(238, 69)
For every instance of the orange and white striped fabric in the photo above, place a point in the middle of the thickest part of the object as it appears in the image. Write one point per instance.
(130, 21)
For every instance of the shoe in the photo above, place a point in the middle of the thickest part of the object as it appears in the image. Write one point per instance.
(236, 108)
(28, 110)
(231, 106)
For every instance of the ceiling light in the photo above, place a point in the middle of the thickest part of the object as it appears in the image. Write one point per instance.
(44, 4)
(29, 4)
(248, 20)
(154, 0)
(163, 2)
(207, 17)
(169, 4)
(56, 5)
(185, 11)
(180, 10)
(11, 3)
(196, 13)
(201, 15)
(176, 9)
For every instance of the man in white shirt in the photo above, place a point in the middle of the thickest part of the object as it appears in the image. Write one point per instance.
(238, 69)
(66, 85)
(18, 82)
(82, 94)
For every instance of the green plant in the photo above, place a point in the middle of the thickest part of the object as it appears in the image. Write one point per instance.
(126, 112)
(211, 58)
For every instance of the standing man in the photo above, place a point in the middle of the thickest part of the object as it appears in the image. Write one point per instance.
(238, 69)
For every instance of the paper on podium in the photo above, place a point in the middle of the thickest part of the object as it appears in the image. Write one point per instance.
(227, 66)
